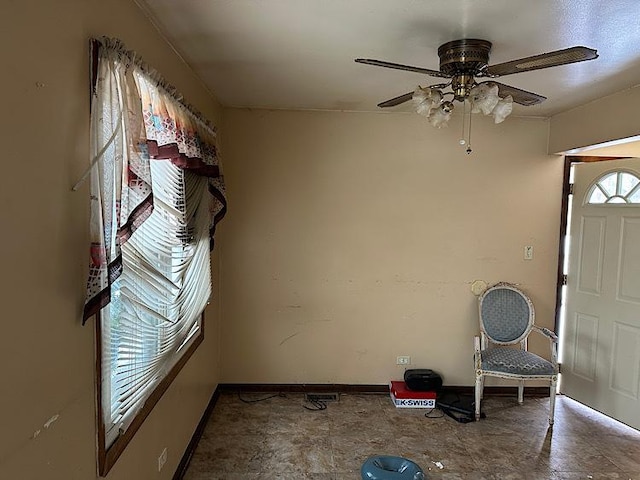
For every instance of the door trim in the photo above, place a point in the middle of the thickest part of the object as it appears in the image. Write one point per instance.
(569, 160)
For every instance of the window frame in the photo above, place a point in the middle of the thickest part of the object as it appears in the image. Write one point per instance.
(107, 456)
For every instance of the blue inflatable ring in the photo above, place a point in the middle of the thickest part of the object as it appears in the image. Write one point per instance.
(382, 467)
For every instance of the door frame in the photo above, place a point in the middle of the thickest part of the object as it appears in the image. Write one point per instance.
(567, 190)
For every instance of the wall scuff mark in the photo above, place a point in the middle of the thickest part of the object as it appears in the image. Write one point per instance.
(48, 423)
(289, 337)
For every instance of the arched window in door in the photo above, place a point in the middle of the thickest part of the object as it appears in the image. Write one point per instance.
(615, 187)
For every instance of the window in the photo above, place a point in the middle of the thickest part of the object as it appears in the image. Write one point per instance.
(157, 301)
(156, 196)
(615, 187)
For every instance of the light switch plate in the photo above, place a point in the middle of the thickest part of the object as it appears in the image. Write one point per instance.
(528, 252)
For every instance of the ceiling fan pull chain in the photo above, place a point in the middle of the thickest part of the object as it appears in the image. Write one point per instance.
(462, 141)
(469, 136)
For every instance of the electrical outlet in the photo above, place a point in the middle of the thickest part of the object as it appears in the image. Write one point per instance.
(403, 360)
(162, 459)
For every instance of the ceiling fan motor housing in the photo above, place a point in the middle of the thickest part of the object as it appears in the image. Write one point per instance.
(466, 56)
(462, 60)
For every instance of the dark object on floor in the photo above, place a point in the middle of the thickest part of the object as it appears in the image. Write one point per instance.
(422, 380)
(459, 407)
(382, 467)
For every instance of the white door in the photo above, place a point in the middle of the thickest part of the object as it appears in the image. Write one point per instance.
(601, 338)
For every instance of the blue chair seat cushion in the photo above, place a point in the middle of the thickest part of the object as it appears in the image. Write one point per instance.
(515, 362)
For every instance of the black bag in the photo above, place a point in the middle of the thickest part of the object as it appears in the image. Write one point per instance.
(459, 407)
(422, 380)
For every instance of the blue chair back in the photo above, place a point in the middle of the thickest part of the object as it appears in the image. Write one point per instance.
(506, 314)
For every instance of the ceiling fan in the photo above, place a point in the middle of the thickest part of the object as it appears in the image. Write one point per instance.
(462, 61)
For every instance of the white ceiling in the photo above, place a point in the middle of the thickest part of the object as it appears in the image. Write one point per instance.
(299, 54)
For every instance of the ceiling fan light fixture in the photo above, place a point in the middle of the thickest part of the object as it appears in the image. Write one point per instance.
(484, 98)
(426, 99)
(440, 116)
(503, 109)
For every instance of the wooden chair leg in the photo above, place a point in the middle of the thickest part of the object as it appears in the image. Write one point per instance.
(520, 391)
(479, 388)
(552, 400)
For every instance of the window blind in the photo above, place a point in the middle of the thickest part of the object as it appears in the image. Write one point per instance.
(158, 299)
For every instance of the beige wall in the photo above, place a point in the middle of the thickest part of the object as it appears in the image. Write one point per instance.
(47, 356)
(352, 238)
(610, 118)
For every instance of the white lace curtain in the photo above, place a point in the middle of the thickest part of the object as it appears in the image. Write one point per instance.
(137, 118)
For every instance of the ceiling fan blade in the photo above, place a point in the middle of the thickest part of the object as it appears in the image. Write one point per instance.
(544, 60)
(519, 96)
(397, 100)
(397, 66)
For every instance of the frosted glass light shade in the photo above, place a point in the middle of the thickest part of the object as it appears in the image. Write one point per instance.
(484, 98)
(503, 109)
(440, 116)
(426, 99)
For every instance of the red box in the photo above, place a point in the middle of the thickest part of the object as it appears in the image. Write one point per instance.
(402, 397)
